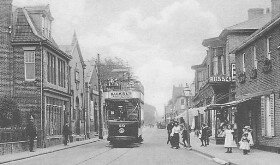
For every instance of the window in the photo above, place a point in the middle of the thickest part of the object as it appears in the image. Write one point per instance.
(200, 79)
(61, 73)
(29, 65)
(51, 77)
(215, 66)
(243, 62)
(46, 27)
(268, 115)
(183, 101)
(268, 47)
(54, 116)
(233, 71)
(222, 65)
(255, 60)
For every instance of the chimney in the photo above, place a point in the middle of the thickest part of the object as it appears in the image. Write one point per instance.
(255, 13)
(267, 10)
(5, 45)
(275, 8)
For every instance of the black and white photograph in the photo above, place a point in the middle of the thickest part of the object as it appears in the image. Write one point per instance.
(139, 82)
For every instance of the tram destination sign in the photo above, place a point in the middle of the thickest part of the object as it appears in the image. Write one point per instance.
(123, 95)
(221, 79)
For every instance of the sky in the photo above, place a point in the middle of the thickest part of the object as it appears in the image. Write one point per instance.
(160, 39)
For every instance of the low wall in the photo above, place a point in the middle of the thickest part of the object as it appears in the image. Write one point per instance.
(15, 147)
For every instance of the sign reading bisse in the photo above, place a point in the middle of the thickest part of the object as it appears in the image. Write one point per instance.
(221, 79)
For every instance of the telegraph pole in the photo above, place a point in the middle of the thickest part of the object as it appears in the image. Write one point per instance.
(100, 134)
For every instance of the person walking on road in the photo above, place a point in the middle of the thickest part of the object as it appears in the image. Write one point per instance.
(229, 141)
(66, 132)
(207, 135)
(185, 133)
(169, 130)
(175, 135)
(31, 133)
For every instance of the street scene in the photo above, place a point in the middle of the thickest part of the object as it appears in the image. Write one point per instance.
(139, 82)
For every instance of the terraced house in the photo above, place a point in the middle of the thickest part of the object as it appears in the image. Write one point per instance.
(36, 70)
(258, 73)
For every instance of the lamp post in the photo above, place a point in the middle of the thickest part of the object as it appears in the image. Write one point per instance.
(187, 93)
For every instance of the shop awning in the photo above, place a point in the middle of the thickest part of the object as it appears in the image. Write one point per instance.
(192, 112)
(225, 105)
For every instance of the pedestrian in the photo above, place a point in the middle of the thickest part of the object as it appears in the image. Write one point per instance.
(185, 133)
(208, 133)
(175, 135)
(229, 141)
(31, 133)
(244, 143)
(169, 130)
(203, 135)
(66, 132)
(247, 129)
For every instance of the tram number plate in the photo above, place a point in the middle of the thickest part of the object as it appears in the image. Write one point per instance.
(121, 125)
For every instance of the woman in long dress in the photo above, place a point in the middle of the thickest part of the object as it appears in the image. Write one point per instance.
(229, 142)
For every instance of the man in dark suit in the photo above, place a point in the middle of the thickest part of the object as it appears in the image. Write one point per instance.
(169, 130)
(31, 133)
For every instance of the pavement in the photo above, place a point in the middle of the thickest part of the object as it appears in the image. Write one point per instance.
(217, 153)
(42, 151)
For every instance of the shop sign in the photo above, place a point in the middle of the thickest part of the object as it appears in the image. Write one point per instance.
(221, 79)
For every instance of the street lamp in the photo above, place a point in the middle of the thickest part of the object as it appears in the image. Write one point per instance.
(187, 93)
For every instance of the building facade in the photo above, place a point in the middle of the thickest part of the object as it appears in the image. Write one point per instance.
(257, 66)
(77, 87)
(36, 70)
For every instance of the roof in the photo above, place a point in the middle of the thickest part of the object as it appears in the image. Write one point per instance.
(177, 91)
(26, 28)
(248, 26)
(203, 65)
(213, 42)
(275, 21)
(90, 70)
(70, 48)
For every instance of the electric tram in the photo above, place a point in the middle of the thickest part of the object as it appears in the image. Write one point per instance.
(124, 111)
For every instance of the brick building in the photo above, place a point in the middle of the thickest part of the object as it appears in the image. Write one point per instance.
(35, 70)
(91, 97)
(258, 72)
(77, 74)
(215, 77)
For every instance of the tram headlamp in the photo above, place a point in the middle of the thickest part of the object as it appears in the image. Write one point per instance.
(121, 130)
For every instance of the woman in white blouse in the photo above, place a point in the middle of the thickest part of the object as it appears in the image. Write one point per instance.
(175, 135)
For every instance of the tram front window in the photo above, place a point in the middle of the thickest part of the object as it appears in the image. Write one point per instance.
(121, 113)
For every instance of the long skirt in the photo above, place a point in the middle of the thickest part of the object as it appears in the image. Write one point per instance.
(175, 140)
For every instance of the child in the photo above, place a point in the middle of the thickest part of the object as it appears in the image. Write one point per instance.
(229, 142)
(244, 143)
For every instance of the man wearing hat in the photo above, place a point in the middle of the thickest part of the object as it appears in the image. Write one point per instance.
(31, 133)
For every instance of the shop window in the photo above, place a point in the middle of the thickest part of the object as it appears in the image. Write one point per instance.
(268, 115)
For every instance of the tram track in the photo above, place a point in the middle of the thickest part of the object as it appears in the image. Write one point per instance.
(124, 150)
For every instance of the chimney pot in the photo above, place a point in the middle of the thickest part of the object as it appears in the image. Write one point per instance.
(255, 13)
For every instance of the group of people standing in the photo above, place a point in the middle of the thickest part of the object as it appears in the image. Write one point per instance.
(174, 128)
(32, 133)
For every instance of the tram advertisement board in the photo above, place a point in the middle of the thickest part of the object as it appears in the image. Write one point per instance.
(123, 95)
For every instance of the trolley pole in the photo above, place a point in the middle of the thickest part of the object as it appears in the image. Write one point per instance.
(100, 134)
